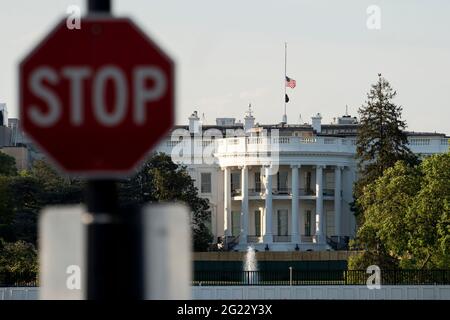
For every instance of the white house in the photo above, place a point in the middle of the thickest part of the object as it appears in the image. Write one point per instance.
(278, 187)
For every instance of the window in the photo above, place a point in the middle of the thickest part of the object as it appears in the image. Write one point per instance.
(235, 223)
(235, 181)
(258, 223)
(308, 182)
(205, 182)
(308, 223)
(282, 219)
(329, 180)
(282, 181)
(257, 182)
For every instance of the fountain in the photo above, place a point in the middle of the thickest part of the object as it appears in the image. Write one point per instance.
(250, 266)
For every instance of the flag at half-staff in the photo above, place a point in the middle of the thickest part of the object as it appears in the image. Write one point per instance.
(291, 83)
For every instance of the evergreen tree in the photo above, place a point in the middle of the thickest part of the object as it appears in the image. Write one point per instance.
(381, 139)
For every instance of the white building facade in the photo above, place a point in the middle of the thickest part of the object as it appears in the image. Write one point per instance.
(278, 187)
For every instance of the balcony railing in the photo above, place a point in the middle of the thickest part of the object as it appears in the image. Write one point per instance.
(281, 191)
(306, 192)
(310, 238)
(281, 238)
(255, 191)
(236, 192)
(254, 239)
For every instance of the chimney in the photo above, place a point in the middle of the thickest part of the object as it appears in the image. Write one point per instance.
(317, 122)
(194, 122)
(249, 119)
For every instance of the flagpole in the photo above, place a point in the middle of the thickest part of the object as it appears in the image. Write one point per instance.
(285, 75)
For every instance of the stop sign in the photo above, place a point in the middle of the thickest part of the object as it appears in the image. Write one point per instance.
(97, 99)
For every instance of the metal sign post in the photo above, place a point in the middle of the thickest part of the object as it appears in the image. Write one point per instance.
(113, 236)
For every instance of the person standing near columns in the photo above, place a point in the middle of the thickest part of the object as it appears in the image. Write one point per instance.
(319, 205)
(268, 238)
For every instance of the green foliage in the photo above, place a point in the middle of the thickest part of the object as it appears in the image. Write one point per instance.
(24, 195)
(18, 257)
(159, 179)
(6, 205)
(55, 188)
(430, 214)
(381, 140)
(407, 217)
(7, 165)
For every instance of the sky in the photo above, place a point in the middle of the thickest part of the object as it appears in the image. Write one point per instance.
(231, 53)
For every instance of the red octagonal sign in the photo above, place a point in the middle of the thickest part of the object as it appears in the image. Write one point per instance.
(97, 99)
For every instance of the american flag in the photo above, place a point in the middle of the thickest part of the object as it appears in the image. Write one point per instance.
(291, 83)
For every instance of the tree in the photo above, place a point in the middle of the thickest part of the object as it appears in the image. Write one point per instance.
(381, 139)
(23, 196)
(6, 207)
(55, 188)
(159, 179)
(429, 215)
(23, 201)
(407, 217)
(18, 261)
(27, 193)
(7, 165)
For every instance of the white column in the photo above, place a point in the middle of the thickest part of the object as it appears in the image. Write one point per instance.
(301, 217)
(268, 238)
(294, 218)
(337, 200)
(244, 206)
(319, 205)
(227, 201)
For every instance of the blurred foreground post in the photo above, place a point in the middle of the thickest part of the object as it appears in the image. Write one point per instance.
(139, 254)
(113, 245)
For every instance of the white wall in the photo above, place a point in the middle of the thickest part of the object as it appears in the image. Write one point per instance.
(286, 292)
(19, 293)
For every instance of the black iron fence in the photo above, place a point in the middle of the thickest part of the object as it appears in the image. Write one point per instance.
(281, 278)
(319, 277)
(17, 279)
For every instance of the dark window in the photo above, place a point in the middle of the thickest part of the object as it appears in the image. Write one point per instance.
(282, 181)
(308, 223)
(205, 182)
(257, 223)
(235, 181)
(257, 181)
